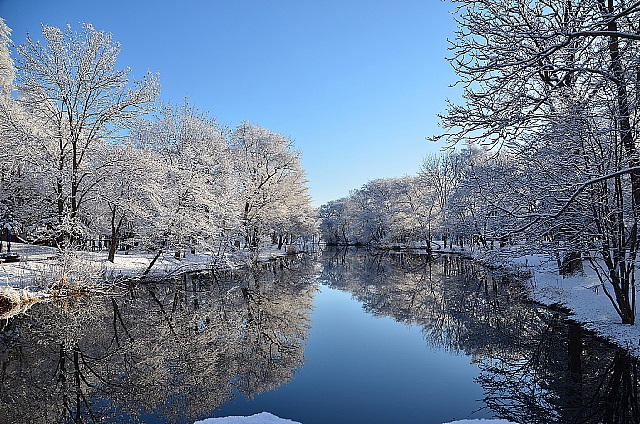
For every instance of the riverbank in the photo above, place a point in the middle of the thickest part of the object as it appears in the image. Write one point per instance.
(42, 272)
(40, 264)
(580, 294)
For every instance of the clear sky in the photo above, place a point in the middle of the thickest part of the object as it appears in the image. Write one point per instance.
(356, 84)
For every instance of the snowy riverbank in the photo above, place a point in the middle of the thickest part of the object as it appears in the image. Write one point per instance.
(38, 263)
(583, 295)
(43, 272)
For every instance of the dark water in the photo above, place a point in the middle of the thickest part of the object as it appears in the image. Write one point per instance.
(347, 337)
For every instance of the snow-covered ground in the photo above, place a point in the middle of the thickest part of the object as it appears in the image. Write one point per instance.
(36, 264)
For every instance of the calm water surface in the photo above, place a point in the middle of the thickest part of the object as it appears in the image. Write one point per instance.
(347, 337)
(365, 369)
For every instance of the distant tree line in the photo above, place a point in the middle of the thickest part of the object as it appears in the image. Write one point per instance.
(87, 155)
(434, 209)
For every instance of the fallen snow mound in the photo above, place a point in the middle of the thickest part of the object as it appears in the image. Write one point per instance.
(261, 418)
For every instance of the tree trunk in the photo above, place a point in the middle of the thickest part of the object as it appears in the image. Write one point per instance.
(621, 265)
(115, 231)
(152, 263)
(113, 247)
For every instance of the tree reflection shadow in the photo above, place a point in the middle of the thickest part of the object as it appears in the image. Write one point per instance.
(536, 366)
(176, 350)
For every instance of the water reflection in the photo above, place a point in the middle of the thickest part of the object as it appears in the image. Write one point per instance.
(175, 350)
(563, 376)
(180, 350)
(536, 367)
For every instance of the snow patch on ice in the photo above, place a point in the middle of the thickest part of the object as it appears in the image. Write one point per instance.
(261, 418)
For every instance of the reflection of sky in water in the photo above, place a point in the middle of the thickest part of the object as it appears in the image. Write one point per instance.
(364, 369)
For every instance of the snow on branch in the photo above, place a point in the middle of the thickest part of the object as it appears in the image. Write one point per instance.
(627, 35)
(573, 197)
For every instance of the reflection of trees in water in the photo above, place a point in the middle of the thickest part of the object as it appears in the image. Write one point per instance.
(176, 349)
(454, 301)
(563, 376)
(535, 367)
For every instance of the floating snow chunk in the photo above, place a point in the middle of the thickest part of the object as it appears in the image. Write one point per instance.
(261, 418)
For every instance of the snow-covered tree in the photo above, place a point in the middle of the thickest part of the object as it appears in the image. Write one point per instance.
(71, 88)
(194, 199)
(421, 216)
(442, 173)
(19, 187)
(122, 204)
(335, 225)
(273, 192)
(7, 74)
(7, 67)
(382, 212)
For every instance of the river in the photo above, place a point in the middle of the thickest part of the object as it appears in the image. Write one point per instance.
(345, 336)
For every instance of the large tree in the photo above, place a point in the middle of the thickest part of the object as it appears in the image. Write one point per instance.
(439, 177)
(7, 67)
(123, 203)
(7, 108)
(75, 95)
(536, 72)
(193, 193)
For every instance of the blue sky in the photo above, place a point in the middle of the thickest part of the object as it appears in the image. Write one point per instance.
(356, 84)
